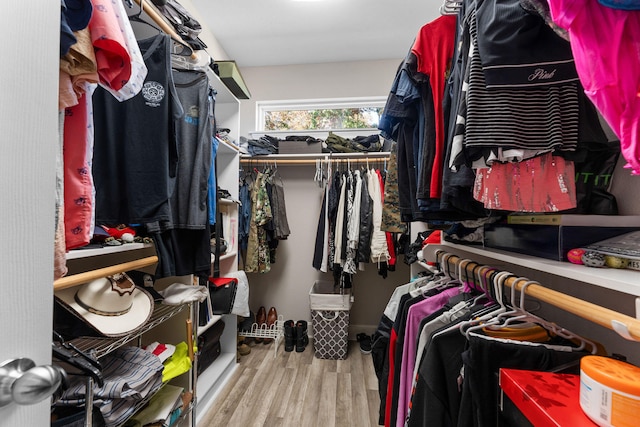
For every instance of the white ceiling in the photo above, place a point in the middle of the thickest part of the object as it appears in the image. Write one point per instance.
(284, 32)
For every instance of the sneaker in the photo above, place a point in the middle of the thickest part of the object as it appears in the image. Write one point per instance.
(365, 343)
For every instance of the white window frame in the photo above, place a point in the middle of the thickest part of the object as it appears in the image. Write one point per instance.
(262, 107)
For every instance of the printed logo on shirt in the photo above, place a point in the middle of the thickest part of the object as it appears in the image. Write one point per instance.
(593, 178)
(153, 93)
(541, 74)
(192, 116)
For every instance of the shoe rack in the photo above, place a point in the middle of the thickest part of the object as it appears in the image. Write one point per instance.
(264, 331)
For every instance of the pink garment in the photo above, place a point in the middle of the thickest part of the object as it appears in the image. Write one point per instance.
(606, 48)
(541, 184)
(59, 247)
(78, 183)
(416, 313)
(112, 56)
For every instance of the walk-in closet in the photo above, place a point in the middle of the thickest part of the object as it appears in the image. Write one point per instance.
(321, 213)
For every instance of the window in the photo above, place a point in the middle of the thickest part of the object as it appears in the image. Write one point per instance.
(352, 113)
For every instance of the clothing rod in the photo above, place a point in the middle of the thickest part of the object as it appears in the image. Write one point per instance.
(626, 326)
(311, 161)
(77, 279)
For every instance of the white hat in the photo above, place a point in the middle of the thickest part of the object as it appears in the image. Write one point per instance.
(113, 305)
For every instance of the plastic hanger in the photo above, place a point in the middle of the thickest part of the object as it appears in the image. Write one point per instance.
(450, 7)
(74, 360)
(498, 281)
(492, 310)
(554, 328)
(498, 318)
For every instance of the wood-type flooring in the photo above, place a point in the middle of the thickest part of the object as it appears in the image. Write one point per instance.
(297, 389)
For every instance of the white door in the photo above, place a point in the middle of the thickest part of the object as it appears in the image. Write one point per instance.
(30, 34)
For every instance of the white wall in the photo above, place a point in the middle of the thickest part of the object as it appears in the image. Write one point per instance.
(287, 286)
(214, 48)
(330, 80)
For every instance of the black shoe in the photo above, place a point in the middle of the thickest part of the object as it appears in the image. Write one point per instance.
(365, 343)
(289, 335)
(302, 339)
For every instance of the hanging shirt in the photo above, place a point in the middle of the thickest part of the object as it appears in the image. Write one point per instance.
(193, 129)
(135, 156)
(319, 250)
(353, 227)
(434, 49)
(78, 182)
(138, 68)
(519, 50)
(212, 184)
(520, 125)
(378, 238)
(415, 314)
(340, 223)
(258, 259)
(114, 62)
(244, 215)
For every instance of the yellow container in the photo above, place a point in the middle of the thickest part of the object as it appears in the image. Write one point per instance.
(610, 391)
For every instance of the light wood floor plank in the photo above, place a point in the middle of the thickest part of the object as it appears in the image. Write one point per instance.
(344, 404)
(280, 404)
(297, 390)
(358, 390)
(326, 416)
(311, 394)
(374, 409)
(227, 401)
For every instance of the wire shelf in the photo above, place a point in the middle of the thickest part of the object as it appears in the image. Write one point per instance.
(101, 346)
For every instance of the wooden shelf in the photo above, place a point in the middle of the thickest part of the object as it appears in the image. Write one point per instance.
(316, 132)
(105, 250)
(224, 145)
(321, 156)
(227, 202)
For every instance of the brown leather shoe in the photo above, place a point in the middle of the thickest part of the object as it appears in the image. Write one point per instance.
(271, 320)
(261, 318)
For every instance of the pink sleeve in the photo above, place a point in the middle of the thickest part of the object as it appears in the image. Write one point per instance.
(112, 56)
(563, 12)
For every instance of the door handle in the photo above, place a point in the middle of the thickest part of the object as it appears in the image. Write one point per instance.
(24, 383)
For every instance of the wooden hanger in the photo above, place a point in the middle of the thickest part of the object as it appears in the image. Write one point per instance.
(185, 50)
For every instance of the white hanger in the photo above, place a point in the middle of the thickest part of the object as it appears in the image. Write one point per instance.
(498, 281)
(498, 317)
